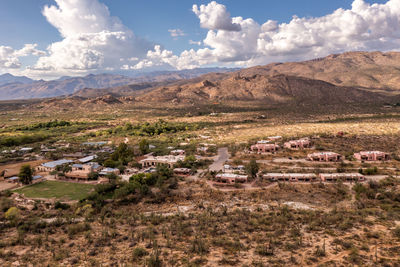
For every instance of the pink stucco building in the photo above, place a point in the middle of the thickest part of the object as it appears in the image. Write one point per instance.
(264, 148)
(298, 144)
(324, 156)
(372, 156)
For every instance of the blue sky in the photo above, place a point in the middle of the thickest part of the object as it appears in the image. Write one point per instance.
(22, 22)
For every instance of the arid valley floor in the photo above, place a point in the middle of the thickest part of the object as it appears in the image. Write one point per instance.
(160, 218)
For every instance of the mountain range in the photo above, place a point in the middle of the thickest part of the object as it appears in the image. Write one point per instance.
(341, 79)
(353, 77)
(8, 78)
(14, 87)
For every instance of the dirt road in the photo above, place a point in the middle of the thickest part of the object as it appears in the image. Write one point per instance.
(221, 158)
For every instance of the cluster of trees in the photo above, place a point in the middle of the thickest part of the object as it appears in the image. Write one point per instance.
(45, 125)
(369, 171)
(119, 158)
(150, 129)
(19, 140)
(190, 162)
(159, 127)
(139, 186)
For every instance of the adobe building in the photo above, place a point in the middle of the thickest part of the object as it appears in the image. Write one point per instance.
(345, 177)
(82, 171)
(290, 177)
(52, 165)
(153, 161)
(182, 171)
(230, 178)
(178, 152)
(264, 148)
(372, 156)
(298, 144)
(324, 157)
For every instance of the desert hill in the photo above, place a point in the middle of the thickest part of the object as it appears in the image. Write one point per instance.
(356, 69)
(353, 77)
(267, 89)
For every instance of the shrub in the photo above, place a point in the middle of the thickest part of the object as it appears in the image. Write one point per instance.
(59, 205)
(139, 252)
(5, 204)
(12, 214)
(78, 228)
(199, 246)
(396, 232)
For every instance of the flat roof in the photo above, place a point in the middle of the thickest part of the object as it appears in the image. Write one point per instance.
(341, 174)
(87, 159)
(53, 164)
(77, 165)
(94, 143)
(109, 170)
(324, 153)
(290, 174)
(231, 175)
(371, 152)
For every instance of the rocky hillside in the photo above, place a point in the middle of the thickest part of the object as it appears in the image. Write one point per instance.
(354, 77)
(264, 88)
(356, 69)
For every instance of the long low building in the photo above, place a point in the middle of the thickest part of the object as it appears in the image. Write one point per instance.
(290, 177)
(230, 178)
(169, 160)
(346, 177)
(52, 165)
(233, 169)
(182, 171)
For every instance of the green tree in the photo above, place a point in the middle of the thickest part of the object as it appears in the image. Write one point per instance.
(25, 174)
(144, 146)
(252, 168)
(93, 176)
(66, 168)
(112, 178)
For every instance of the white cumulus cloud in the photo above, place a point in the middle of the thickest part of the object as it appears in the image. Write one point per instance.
(244, 42)
(93, 40)
(9, 57)
(214, 16)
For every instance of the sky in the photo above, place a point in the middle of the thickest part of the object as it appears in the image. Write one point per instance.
(46, 39)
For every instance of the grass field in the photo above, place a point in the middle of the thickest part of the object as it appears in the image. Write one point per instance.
(55, 189)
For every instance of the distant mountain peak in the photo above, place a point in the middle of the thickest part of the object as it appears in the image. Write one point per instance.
(8, 78)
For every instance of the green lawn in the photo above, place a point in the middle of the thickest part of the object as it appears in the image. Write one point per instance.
(56, 189)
